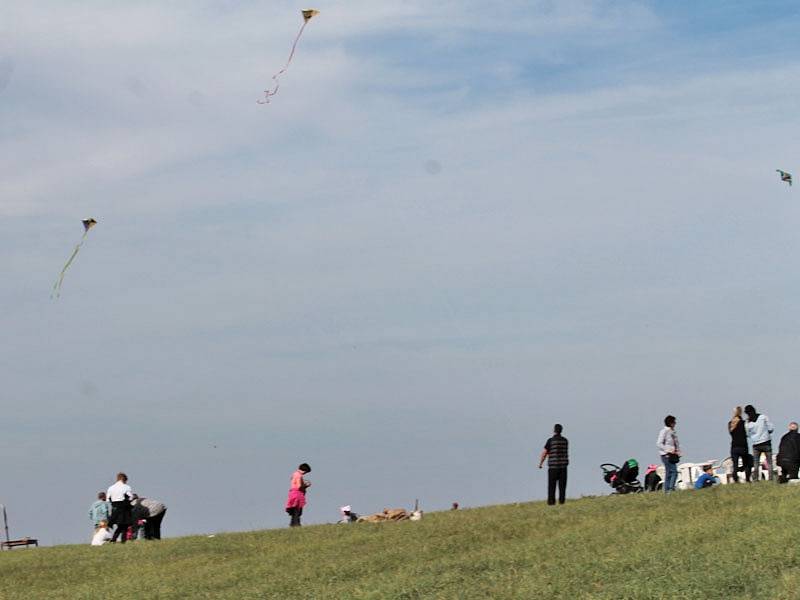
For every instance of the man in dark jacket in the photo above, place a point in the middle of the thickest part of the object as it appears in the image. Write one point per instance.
(789, 453)
(556, 451)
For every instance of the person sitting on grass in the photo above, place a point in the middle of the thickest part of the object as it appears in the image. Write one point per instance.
(707, 479)
(348, 516)
(651, 478)
(102, 534)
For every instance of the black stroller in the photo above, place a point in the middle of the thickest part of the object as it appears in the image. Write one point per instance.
(624, 479)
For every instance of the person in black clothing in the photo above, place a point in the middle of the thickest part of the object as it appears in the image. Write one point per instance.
(739, 445)
(120, 495)
(556, 451)
(789, 454)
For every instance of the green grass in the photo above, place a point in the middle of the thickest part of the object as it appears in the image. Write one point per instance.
(690, 545)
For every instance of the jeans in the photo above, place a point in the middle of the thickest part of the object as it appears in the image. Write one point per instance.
(670, 474)
(747, 465)
(766, 448)
(556, 475)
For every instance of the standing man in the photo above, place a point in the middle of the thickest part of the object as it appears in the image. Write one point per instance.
(155, 514)
(120, 494)
(100, 510)
(789, 454)
(556, 451)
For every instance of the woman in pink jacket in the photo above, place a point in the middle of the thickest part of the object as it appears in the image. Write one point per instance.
(297, 494)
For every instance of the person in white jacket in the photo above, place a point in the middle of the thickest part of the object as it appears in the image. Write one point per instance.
(101, 534)
(759, 429)
(670, 451)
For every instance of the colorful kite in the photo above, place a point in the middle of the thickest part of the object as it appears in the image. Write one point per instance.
(87, 225)
(787, 177)
(307, 16)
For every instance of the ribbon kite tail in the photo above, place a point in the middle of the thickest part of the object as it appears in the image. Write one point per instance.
(274, 89)
(56, 293)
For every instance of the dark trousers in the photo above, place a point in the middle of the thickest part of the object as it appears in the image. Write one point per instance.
(789, 470)
(556, 475)
(152, 526)
(294, 514)
(747, 462)
(121, 517)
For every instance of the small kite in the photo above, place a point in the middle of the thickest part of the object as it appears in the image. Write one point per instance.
(308, 14)
(87, 225)
(787, 177)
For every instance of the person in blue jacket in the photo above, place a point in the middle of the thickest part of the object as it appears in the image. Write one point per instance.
(707, 479)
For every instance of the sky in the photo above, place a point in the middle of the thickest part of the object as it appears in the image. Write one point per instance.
(453, 227)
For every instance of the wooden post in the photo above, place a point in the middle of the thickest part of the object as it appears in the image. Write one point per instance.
(5, 520)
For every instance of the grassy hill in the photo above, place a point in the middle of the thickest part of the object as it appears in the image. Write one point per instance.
(733, 542)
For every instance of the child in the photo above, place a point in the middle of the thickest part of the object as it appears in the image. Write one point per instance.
(101, 534)
(651, 478)
(139, 528)
(707, 479)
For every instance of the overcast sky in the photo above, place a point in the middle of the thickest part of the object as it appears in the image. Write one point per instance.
(456, 224)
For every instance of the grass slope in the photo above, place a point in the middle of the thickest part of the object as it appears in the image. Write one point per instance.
(689, 545)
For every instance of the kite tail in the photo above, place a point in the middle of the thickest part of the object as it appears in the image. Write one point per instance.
(56, 293)
(274, 90)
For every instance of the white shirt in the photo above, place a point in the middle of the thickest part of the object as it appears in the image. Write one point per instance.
(117, 492)
(101, 536)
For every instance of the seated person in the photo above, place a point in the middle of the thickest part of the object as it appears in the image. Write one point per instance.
(348, 516)
(652, 479)
(101, 534)
(707, 479)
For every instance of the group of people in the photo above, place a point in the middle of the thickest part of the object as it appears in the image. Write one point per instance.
(751, 438)
(132, 516)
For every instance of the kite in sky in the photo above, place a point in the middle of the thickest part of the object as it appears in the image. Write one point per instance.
(787, 177)
(87, 225)
(307, 16)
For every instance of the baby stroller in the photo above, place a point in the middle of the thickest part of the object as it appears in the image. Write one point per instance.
(624, 479)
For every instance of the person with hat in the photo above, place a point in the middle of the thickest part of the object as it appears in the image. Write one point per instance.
(651, 478)
(348, 516)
